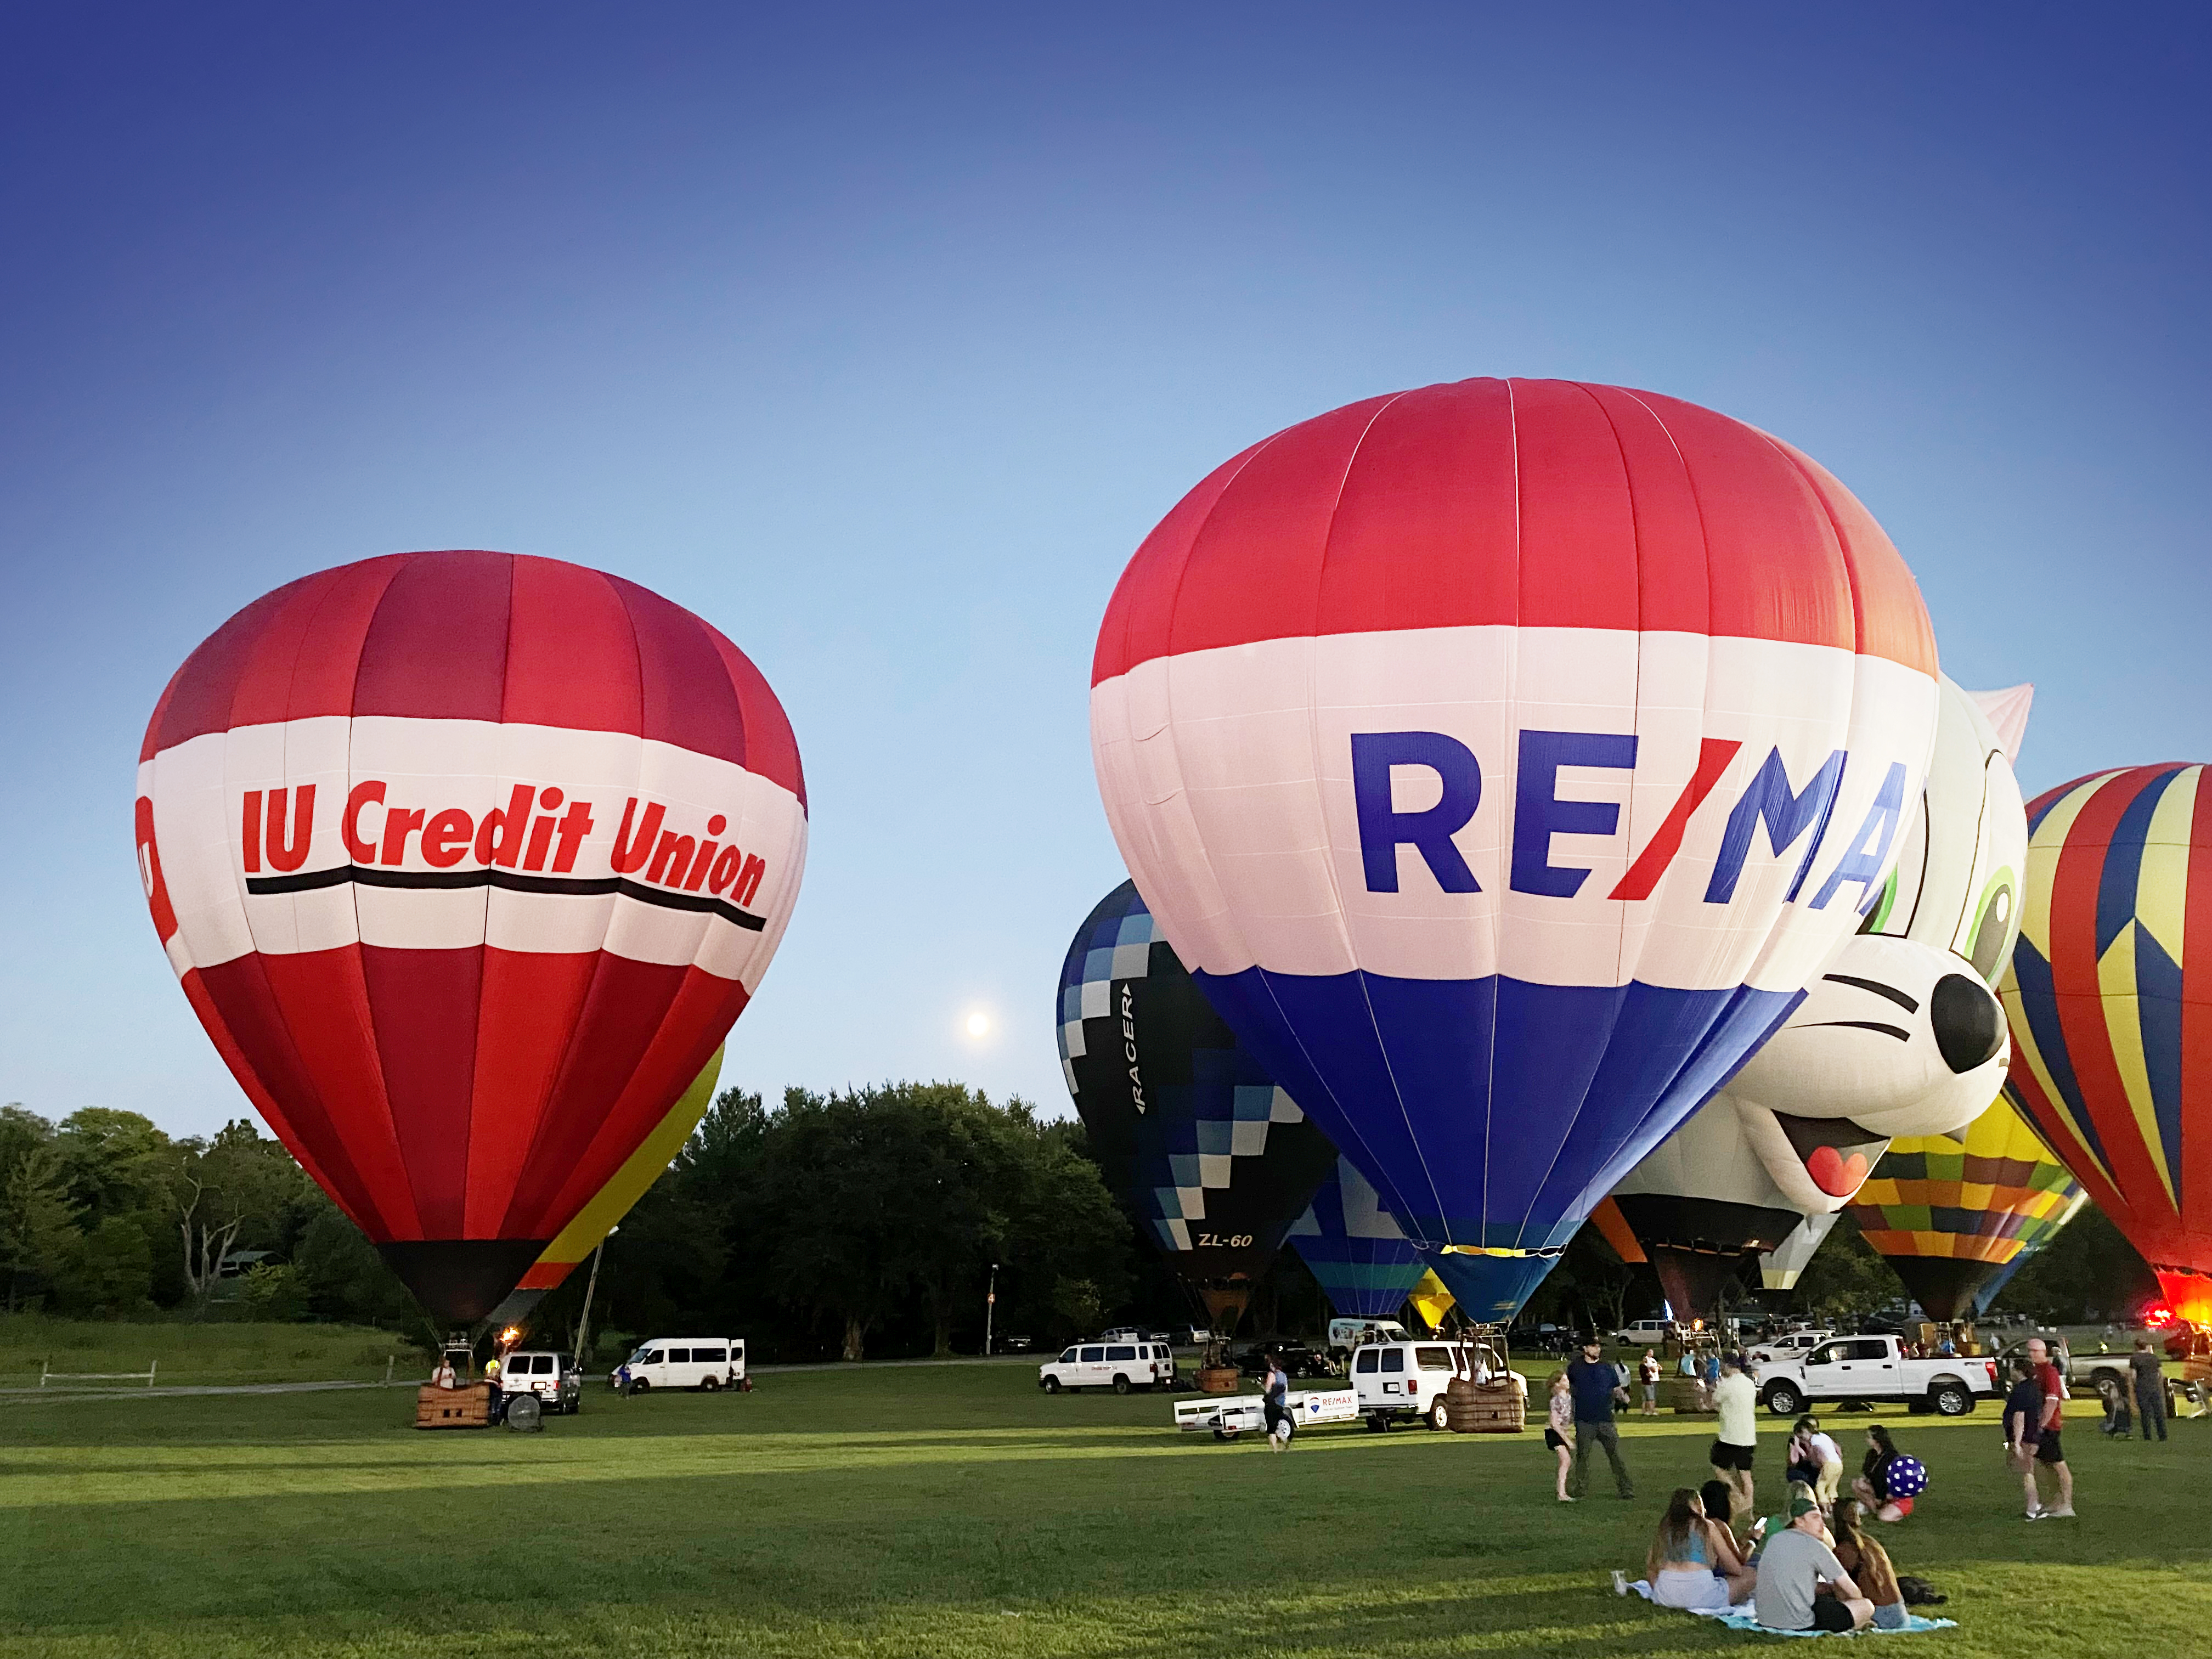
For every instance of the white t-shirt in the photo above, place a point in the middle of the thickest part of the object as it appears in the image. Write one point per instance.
(1737, 1397)
(1825, 1450)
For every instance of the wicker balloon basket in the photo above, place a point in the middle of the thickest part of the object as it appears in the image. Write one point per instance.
(1219, 1379)
(1471, 1408)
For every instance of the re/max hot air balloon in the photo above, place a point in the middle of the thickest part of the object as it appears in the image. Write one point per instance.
(1951, 1212)
(1359, 1256)
(2109, 999)
(1217, 1160)
(1901, 1036)
(1504, 758)
(467, 861)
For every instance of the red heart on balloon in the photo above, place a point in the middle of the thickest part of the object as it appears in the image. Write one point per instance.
(1834, 1173)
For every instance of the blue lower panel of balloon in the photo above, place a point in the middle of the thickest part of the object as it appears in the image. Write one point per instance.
(1489, 1288)
(1494, 1112)
(1363, 1278)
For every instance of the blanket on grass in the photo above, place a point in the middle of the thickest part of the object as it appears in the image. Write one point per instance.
(1745, 1619)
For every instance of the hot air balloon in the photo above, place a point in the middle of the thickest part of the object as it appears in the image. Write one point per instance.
(1431, 1301)
(1358, 1255)
(1902, 1035)
(1504, 758)
(1994, 1286)
(607, 1206)
(467, 861)
(2111, 1020)
(1218, 1161)
(1951, 1212)
(1780, 1268)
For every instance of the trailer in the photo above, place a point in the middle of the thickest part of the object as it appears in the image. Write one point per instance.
(1227, 1419)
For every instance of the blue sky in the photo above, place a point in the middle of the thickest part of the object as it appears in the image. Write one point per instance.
(880, 337)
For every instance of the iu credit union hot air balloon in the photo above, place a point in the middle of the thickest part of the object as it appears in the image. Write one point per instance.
(467, 861)
(1217, 1160)
(2111, 1012)
(1504, 758)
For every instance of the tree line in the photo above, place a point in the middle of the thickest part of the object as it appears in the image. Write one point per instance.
(833, 1224)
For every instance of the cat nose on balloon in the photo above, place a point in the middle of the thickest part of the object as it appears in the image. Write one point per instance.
(1969, 1024)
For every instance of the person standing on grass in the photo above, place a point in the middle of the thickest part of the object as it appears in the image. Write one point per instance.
(1792, 1565)
(1648, 1369)
(1736, 1443)
(2049, 1449)
(1275, 1398)
(2023, 1420)
(1559, 1422)
(2149, 1388)
(1815, 1458)
(1596, 1384)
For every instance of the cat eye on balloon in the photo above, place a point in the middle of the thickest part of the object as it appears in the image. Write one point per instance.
(1994, 927)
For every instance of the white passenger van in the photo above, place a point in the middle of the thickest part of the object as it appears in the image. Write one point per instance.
(1346, 1334)
(705, 1363)
(1398, 1380)
(1120, 1366)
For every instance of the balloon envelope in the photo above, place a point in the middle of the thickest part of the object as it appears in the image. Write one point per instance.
(1504, 758)
(1218, 1161)
(1952, 1211)
(467, 861)
(2110, 1001)
(1359, 1256)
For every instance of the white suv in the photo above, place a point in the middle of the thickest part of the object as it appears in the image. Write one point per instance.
(1407, 1379)
(1645, 1331)
(1120, 1366)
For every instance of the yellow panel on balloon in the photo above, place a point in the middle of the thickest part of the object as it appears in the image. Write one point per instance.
(627, 1185)
(1431, 1300)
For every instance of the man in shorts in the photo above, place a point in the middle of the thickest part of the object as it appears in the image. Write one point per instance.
(2049, 1454)
(1736, 1442)
(1647, 1371)
(1792, 1565)
(2023, 1427)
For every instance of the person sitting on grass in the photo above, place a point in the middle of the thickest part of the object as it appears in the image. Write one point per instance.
(1816, 1459)
(1793, 1566)
(1869, 1564)
(1872, 1486)
(1692, 1563)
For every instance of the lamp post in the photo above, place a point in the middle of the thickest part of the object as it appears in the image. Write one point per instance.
(990, 1306)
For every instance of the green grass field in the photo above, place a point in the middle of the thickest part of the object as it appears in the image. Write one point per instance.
(956, 1511)
(216, 1352)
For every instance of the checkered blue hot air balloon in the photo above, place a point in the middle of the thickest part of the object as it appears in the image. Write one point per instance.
(1216, 1159)
(1503, 758)
(1356, 1251)
(2110, 1001)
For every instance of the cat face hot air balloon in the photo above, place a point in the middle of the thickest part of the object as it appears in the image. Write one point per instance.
(1218, 1161)
(467, 861)
(1901, 1034)
(1359, 1256)
(2112, 1018)
(1504, 758)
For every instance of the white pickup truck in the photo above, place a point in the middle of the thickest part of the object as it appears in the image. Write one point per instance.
(1874, 1368)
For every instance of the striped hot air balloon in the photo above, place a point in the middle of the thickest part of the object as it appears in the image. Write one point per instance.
(1952, 1211)
(467, 861)
(2109, 999)
(1503, 759)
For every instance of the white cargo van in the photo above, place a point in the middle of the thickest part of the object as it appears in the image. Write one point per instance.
(1346, 1334)
(705, 1363)
(1120, 1366)
(1398, 1379)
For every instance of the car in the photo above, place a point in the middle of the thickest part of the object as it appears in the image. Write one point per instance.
(1016, 1344)
(1647, 1332)
(1347, 1334)
(552, 1376)
(705, 1363)
(1396, 1380)
(1297, 1360)
(1791, 1344)
(1120, 1366)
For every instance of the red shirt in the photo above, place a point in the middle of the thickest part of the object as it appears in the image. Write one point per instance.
(2054, 1394)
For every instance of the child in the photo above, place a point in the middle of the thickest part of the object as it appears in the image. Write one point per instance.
(1558, 1430)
